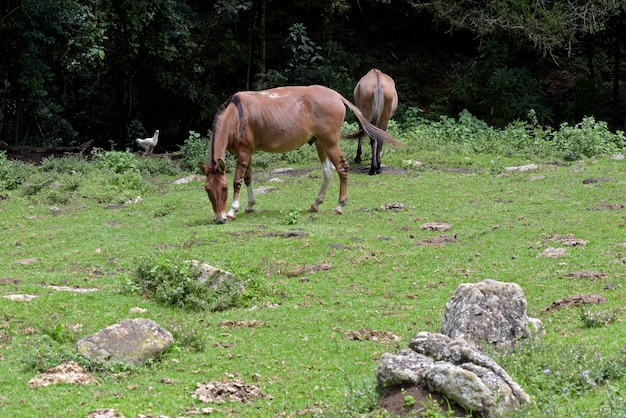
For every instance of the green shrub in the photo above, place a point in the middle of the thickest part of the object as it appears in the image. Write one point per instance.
(559, 370)
(174, 282)
(596, 317)
(195, 150)
(587, 139)
(115, 161)
(12, 173)
(71, 164)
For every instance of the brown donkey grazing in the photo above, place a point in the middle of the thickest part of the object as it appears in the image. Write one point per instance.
(375, 94)
(279, 120)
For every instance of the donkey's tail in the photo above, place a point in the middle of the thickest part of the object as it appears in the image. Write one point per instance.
(371, 130)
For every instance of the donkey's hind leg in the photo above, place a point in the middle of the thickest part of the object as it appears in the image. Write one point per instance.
(327, 173)
(359, 151)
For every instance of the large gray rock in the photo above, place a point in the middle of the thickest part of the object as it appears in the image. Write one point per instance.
(213, 276)
(455, 369)
(131, 341)
(489, 311)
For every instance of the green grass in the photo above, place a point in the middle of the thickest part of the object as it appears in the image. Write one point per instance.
(379, 278)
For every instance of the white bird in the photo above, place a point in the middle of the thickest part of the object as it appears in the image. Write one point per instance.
(148, 144)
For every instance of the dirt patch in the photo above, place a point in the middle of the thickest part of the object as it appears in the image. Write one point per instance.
(105, 413)
(20, 298)
(291, 172)
(611, 207)
(439, 241)
(241, 324)
(71, 289)
(307, 268)
(27, 261)
(8, 280)
(222, 392)
(576, 300)
(386, 170)
(288, 234)
(597, 180)
(552, 253)
(415, 401)
(436, 226)
(394, 207)
(69, 372)
(568, 240)
(586, 274)
(35, 155)
(366, 334)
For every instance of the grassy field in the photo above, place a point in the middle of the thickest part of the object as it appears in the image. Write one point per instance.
(317, 278)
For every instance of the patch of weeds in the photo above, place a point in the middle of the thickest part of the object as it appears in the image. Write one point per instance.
(12, 173)
(115, 161)
(615, 405)
(259, 291)
(158, 166)
(409, 400)
(129, 285)
(290, 217)
(164, 210)
(104, 368)
(58, 197)
(596, 317)
(435, 410)
(72, 164)
(174, 282)
(59, 333)
(359, 399)
(411, 165)
(553, 374)
(195, 150)
(70, 182)
(496, 168)
(45, 352)
(35, 183)
(186, 338)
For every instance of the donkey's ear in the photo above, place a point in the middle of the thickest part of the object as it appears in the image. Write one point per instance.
(204, 169)
(221, 166)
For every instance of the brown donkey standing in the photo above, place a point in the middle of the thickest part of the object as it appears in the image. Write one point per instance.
(279, 120)
(375, 94)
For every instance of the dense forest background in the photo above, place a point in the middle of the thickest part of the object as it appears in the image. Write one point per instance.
(111, 71)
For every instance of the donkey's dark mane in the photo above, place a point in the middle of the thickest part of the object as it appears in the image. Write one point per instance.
(234, 99)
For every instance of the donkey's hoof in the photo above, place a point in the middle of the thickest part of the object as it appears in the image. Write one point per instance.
(339, 210)
(312, 209)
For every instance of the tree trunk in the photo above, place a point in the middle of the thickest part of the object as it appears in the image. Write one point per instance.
(257, 43)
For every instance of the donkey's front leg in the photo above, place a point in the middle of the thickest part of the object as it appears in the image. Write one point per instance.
(242, 166)
(248, 180)
(327, 173)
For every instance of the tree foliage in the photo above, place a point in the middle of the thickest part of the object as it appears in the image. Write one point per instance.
(73, 70)
(546, 24)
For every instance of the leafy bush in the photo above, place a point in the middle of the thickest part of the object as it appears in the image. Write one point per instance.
(587, 139)
(115, 161)
(559, 370)
(12, 173)
(71, 164)
(174, 282)
(158, 166)
(470, 135)
(195, 150)
(36, 182)
(595, 317)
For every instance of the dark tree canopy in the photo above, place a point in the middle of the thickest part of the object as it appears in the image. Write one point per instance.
(111, 71)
